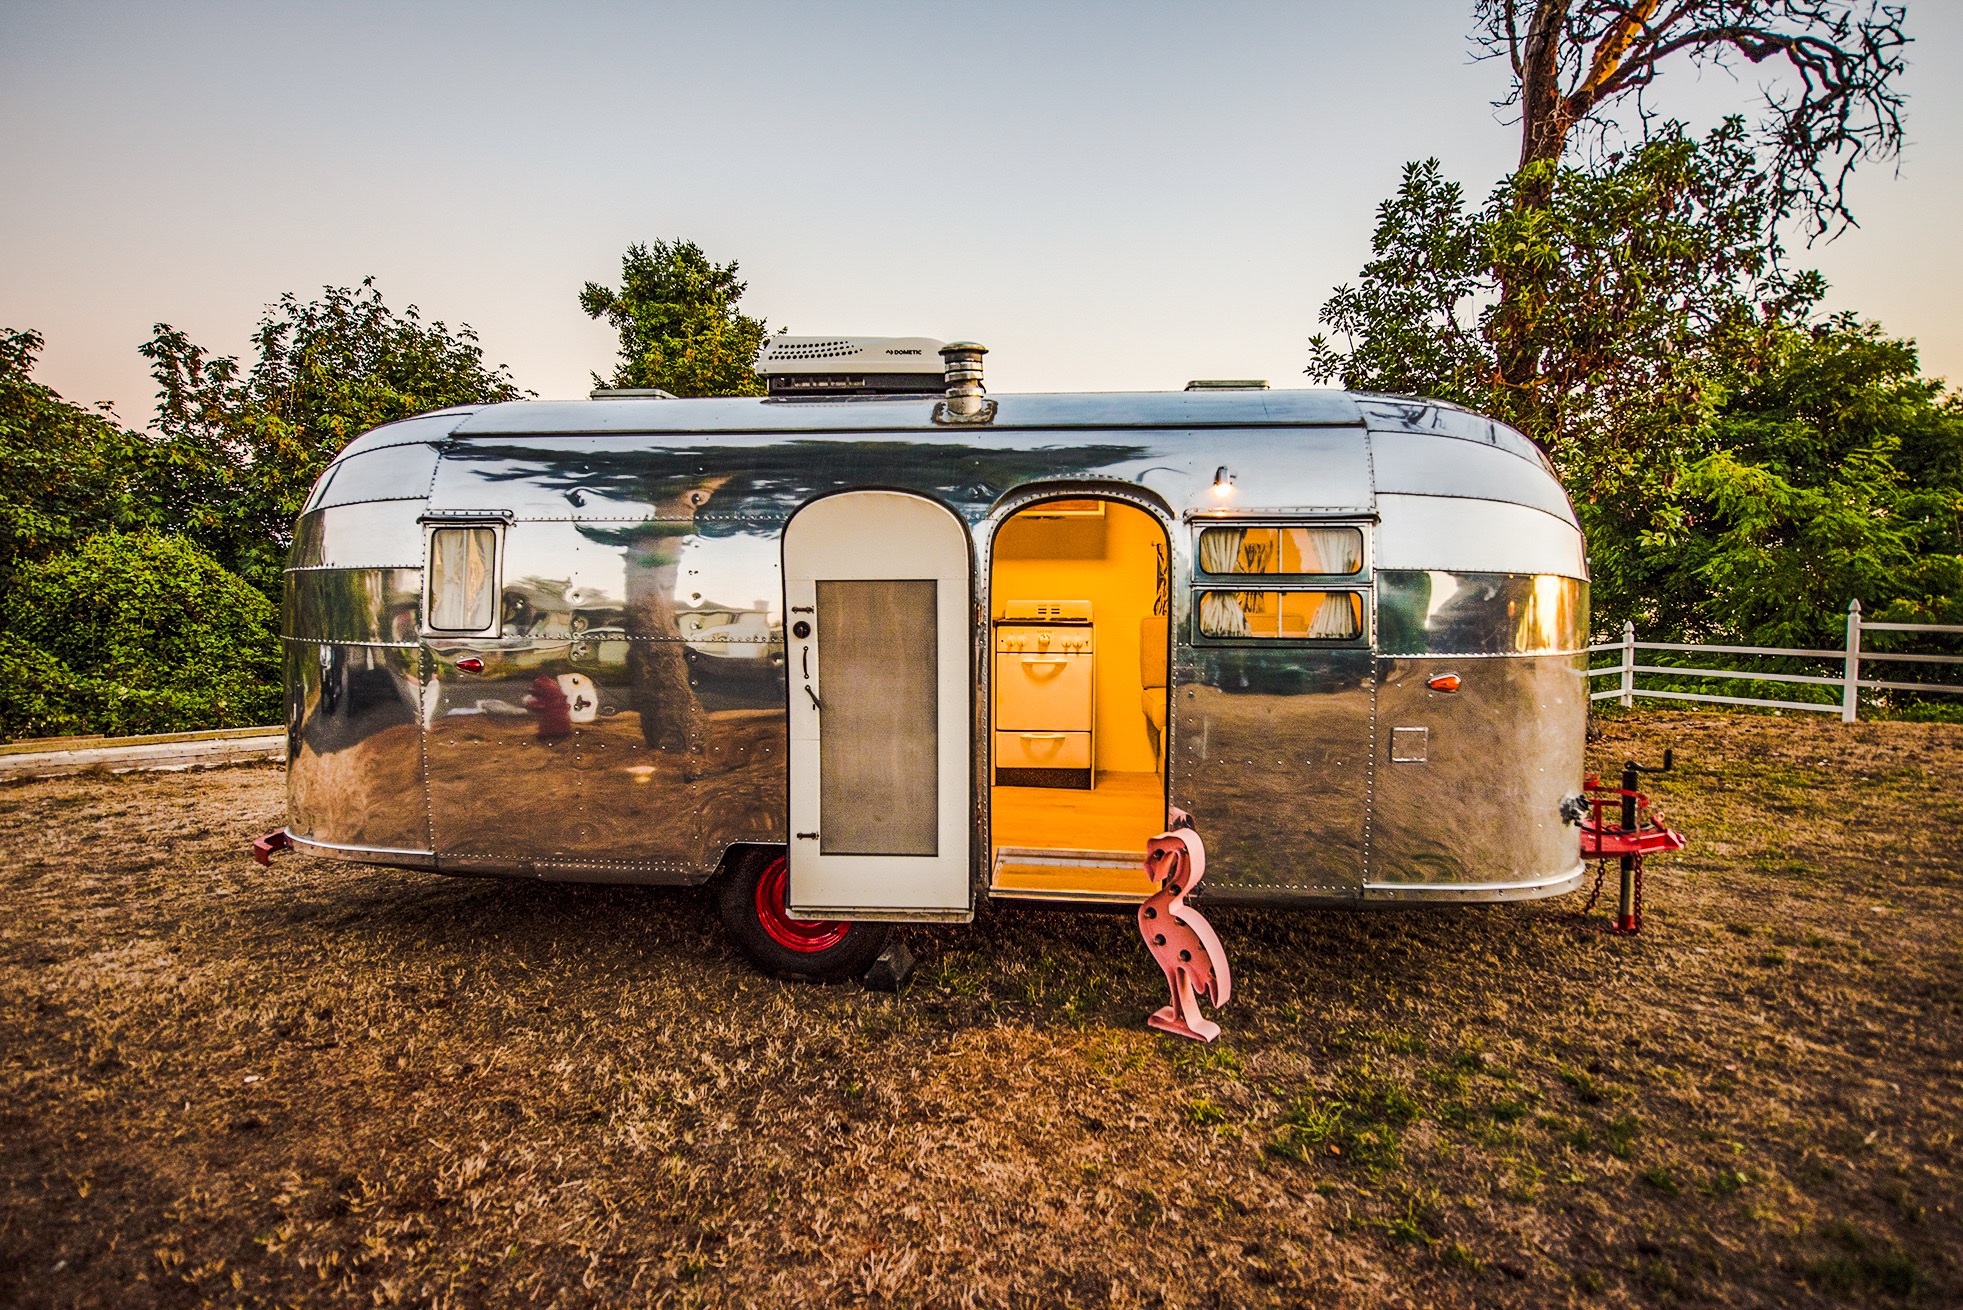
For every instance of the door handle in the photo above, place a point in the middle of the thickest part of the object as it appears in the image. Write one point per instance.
(814, 698)
(807, 663)
(1042, 736)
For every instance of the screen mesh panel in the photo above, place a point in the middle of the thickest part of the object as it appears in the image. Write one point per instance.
(878, 675)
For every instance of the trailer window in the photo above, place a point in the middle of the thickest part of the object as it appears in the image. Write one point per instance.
(1302, 615)
(462, 579)
(1282, 550)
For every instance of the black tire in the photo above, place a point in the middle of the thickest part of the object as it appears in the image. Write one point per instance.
(824, 952)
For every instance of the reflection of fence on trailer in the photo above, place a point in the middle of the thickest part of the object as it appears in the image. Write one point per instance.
(1848, 680)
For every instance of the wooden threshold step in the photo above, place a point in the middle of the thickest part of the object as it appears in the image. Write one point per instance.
(1067, 875)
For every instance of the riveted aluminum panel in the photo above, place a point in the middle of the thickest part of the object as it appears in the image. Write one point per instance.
(384, 534)
(502, 789)
(1478, 816)
(727, 481)
(1434, 612)
(1162, 409)
(729, 600)
(585, 709)
(397, 472)
(1421, 464)
(433, 426)
(1271, 755)
(1438, 419)
(366, 605)
(354, 770)
(1475, 536)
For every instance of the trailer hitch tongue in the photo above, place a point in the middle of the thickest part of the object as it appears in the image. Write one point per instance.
(264, 848)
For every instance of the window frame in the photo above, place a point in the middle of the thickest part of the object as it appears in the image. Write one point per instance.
(1361, 583)
(496, 525)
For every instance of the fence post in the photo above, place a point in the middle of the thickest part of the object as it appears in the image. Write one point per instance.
(1850, 687)
(1628, 663)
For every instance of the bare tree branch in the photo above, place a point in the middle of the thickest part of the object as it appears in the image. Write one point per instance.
(1831, 103)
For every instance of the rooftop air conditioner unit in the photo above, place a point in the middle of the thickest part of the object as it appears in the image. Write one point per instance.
(851, 366)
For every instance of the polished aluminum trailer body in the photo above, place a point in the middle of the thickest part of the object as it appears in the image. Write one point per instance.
(638, 547)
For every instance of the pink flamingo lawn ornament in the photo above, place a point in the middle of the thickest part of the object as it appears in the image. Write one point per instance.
(1183, 942)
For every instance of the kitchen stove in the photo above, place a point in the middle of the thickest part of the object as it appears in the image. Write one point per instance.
(1045, 694)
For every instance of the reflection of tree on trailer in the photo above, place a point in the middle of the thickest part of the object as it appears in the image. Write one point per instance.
(999, 639)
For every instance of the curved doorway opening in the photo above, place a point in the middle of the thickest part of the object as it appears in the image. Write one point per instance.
(1079, 595)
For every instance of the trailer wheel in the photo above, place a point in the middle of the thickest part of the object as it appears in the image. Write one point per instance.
(754, 900)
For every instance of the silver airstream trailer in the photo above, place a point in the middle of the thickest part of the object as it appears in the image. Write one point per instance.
(876, 646)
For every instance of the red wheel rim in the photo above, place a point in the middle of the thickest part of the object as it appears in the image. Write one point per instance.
(807, 936)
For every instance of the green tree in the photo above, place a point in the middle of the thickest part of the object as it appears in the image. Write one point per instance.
(64, 472)
(1740, 470)
(1649, 284)
(135, 632)
(1583, 68)
(1835, 471)
(679, 325)
(243, 447)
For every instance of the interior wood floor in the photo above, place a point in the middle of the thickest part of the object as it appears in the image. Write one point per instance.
(1065, 843)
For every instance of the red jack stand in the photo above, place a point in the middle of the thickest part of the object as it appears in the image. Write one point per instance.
(1638, 834)
(270, 845)
(1180, 939)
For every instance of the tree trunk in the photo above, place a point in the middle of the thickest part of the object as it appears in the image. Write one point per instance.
(1545, 119)
(1545, 115)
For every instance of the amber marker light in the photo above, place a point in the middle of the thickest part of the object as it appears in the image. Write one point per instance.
(1443, 682)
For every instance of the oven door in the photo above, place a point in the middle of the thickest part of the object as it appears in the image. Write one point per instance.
(1038, 691)
(877, 599)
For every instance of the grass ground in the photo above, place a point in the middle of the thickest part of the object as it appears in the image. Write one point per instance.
(325, 1084)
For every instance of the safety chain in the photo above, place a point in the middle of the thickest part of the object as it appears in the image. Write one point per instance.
(1576, 917)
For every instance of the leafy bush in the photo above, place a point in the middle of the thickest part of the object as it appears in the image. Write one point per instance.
(243, 445)
(136, 632)
(65, 472)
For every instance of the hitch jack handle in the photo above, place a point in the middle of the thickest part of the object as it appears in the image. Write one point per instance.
(1625, 915)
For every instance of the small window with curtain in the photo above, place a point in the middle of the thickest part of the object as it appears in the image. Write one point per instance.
(1276, 550)
(1285, 615)
(463, 580)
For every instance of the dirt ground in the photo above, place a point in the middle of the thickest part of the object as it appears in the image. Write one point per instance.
(326, 1084)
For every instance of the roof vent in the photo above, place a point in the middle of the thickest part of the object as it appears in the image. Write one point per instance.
(633, 393)
(850, 366)
(1227, 384)
(967, 400)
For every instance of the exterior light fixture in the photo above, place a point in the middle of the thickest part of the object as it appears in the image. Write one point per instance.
(1223, 482)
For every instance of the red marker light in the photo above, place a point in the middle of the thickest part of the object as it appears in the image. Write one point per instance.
(1443, 682)
(471, 664)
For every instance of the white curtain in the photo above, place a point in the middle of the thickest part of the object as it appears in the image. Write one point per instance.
(1222, 614)
(1220, 549)
(1281, 550)
(1334, 616)
(460, 582)
(1327, 550)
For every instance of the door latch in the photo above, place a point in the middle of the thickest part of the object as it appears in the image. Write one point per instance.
(815, 704)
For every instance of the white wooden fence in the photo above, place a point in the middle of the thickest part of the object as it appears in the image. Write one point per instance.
(1849, 679)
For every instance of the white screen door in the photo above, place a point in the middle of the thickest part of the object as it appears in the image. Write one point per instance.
(876, 611)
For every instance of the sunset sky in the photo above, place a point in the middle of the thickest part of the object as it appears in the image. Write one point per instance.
(1110, 196)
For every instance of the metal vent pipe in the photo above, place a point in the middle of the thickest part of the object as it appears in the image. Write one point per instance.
(967, 400)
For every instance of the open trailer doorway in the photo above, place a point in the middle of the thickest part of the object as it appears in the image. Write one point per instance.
(1079, 601)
